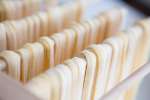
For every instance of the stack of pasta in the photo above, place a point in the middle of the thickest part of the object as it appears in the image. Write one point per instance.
(57, 55)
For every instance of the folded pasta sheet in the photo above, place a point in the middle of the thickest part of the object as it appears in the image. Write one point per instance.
(60, 81)
(13, 63)
(103, 55)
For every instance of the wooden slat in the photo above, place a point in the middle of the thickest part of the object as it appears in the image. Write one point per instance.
(13, 90)
(139, 74)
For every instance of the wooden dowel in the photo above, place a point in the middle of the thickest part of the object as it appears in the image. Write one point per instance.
(126, 83)
(2, 64)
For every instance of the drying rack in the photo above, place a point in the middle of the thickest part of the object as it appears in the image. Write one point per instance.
(139, 74)
(13, 90)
